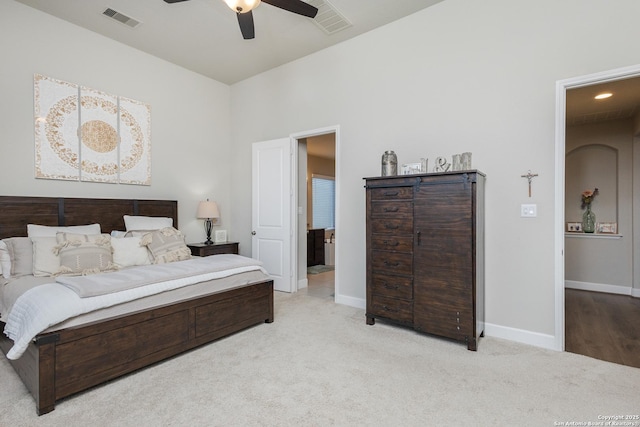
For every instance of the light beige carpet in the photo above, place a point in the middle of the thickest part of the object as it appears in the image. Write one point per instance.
(319, 364)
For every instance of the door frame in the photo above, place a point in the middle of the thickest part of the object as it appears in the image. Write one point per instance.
(560, 147)
(295, 137)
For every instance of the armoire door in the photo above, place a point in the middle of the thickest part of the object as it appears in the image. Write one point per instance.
(443, 257)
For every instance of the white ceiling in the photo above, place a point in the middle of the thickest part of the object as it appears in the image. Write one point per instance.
(582, 108)
(203, 35)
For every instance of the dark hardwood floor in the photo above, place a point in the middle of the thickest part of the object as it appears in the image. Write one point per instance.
(603, 326)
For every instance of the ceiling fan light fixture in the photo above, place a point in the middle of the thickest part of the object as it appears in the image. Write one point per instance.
(242, 6)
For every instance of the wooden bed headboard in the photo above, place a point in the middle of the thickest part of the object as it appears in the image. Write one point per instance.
(17, 211)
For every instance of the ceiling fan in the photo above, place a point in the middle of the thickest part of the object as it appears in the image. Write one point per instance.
(243, 9)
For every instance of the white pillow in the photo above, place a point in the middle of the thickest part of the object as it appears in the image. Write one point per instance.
(146, 222)
(20, 253)
(5, 260)
(127, 252)
(34, 230)
(118, 234)
(46, 262)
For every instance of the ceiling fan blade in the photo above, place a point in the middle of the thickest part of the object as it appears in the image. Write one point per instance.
(173, 1)
(246, 25)
(295, 6)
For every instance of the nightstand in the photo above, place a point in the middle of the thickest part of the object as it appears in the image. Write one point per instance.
(200, 249)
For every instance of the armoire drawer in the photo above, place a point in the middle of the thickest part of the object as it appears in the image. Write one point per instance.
(392, 286)
(392, 208)
(391, 193)
(391, 308)
(392, 226)
(392, 262)
(392, 243)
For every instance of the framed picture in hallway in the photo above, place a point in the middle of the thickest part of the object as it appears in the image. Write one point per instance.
(607, 227)
(574, 227)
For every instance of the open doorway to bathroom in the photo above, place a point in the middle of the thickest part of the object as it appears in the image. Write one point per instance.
(320, 218)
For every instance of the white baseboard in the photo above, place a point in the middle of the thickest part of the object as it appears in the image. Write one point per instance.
(303, 283)
(600, 287)
(520, 335)
(635, 293)
(351, 301)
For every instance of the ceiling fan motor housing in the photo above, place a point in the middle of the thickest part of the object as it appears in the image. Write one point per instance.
(242, 6)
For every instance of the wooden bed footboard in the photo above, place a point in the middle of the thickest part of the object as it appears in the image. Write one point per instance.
(65, 362)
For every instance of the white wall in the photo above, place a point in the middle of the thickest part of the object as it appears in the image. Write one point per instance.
(189, 114)
(462, 75)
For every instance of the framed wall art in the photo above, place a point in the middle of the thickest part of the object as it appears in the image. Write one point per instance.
(83, 134)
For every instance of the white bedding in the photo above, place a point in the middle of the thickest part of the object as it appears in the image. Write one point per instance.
(52, 303)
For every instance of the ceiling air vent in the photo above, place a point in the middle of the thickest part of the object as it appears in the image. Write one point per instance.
(328, 17)
(122, 18)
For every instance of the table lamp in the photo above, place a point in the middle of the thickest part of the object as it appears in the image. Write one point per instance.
(209, 212)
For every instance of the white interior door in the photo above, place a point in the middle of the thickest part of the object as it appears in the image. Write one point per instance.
(271, 210)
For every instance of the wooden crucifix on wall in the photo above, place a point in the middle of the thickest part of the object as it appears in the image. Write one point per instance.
(529, 177)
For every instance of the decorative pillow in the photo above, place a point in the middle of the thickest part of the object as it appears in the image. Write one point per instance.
(46, 261)
(84, 254)
(62, 237)
(20, 253)
(146, 222)
(34, 230)
(127, 252)
(137, 233)
(166, 245)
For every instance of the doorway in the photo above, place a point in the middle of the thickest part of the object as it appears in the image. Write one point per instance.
(570, 330)
(322, 144)
(321, 213)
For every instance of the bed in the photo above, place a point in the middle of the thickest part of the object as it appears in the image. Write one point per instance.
(61, 362)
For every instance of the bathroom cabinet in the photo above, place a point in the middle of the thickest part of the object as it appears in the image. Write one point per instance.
(315, 246)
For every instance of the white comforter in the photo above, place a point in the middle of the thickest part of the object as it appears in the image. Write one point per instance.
(51, 303)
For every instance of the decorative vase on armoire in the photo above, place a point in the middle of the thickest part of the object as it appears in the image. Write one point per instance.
(588, 220)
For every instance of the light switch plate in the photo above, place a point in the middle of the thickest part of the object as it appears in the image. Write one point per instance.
(528, 211)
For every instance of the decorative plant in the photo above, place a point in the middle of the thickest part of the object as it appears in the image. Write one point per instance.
(587, 197)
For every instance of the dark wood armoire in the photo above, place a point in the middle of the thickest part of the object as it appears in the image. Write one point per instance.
(425, 253)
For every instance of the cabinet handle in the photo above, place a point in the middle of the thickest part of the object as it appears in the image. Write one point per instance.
(391, 264)
(386, 308)
(419, 235)
(391, 226)
(388, 286)
(393, 209)
(389, 243)
(391, 193)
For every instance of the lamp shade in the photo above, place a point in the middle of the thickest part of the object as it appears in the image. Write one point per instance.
(242, 6)
(208, 210)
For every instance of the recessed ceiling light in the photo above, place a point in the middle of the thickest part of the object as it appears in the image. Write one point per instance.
(604, 95)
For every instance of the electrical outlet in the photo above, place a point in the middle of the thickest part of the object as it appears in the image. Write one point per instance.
(528, 211)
